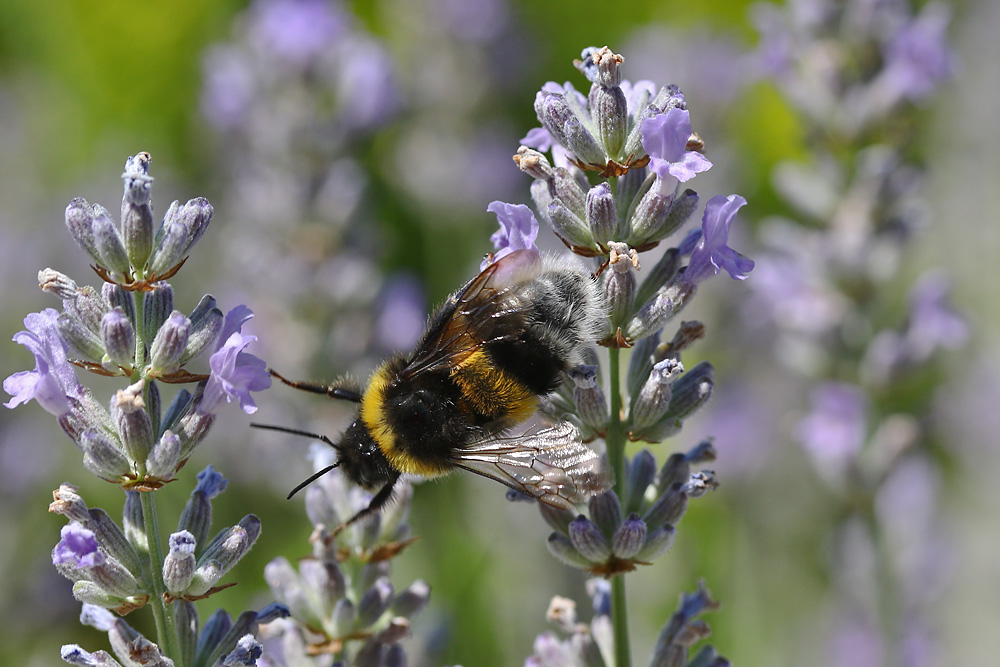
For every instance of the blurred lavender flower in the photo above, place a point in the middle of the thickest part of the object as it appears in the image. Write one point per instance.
(835, 430)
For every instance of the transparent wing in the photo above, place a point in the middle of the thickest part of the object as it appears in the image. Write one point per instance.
(549, 464)
(478, 313)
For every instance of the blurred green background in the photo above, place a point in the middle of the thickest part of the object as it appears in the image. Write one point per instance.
(83, 84)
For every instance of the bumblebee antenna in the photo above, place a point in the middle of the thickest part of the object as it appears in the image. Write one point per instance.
(309, 480)
(332, 391)
(308, 434)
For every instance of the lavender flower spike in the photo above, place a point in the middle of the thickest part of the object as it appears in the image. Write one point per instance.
(518, 229)
(53, 381)
(711, 253)
(235, 373)
(665, 138)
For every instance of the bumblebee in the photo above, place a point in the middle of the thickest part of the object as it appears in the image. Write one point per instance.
(488, 353)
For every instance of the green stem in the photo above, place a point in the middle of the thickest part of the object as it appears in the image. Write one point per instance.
(163, 612)
(615, 441)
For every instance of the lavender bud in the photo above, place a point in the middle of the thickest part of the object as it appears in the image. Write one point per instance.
(654, 398)
(412, 600)
(609, 111)
(103, 457)
(657, 543)
(649, 217)
(342, 618)
(178, 566)
(248, 650)
(374, 602)
(80, 222)
(553, 113)
(134, 426)
(588, 540)
(691, 391)
(115, 297)
(112, 539)
(680, 210)
(286, 588)
(703, 452)
(640, 363)
(605, 512)
(109, 243)
(640, 474)
(169, 344)
(589, 398)
(629, 189)
(157, 307)
(182, 227)
(114, 578)
(213, 633)
(371, 654)
(533, 163)
(655, 314)
(176, 409)
(51, 281)
(601, 215)
(89, 592)
(196, 518)
(75, 655)
(676, 470)
(558, 518)
(186, 618)
(562, 548)
(567, 190)
(206, 323)
(570, 228)
(630, 537)
(132, 522)
(325, 580)
(137, 215)
(619, 282)
(668, 509)
(79, 338)
(163, 459)
(192, 429)
(581, 142)
(228, 547)
(118, 337)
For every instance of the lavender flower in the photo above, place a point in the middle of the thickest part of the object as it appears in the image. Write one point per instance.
(235, 372)
(711, 254)
(518, 229)
(53, 382)
(665, 138)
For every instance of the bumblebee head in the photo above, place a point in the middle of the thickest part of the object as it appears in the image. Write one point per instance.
(359, 456)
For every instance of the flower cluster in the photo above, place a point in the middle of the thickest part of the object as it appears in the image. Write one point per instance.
(341, 596)
(131, 330)
(592, 644)
(637, 142)
(639, 527)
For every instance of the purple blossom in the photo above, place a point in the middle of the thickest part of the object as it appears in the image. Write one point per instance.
(538, 138)
(229, 88)
(53, 381)
(77, 547)
(665, 138)
(933, 322)
(296, 30)
(834, 430)
(235, 373)
(711, 253)
(367, 86)
(917, 57)
(211, 483)
(518, 229)
(402, 315)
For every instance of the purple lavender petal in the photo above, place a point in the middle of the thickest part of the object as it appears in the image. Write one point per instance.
(518, 229)
(54, 380)
(295, 30)
(77, 547)
(538, 138)
(665, 138)
(235, 373)
(934, 323)
(918, 57)
(711, 254)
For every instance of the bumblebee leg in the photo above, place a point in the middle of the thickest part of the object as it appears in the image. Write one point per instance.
(374, 507)
(332, 391)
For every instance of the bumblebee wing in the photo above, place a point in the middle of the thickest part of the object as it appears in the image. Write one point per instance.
(550, 464)
(477, 314)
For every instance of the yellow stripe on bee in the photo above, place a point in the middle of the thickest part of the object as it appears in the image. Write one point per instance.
(491, 392)
(374, 417)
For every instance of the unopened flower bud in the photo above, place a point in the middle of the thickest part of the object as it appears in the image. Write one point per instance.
(606, 512)
(103, 457)
(109, 243)
(657, 543)
(601, 215)
(374, 602)
(656, 278)
(343, 617)
(132, 522)
(80, 222)
(655, 314)
(132, 421)
(562, 548)
(178, 566)
(80, 339)
(196, 518)
(411, 600)
(691, 391)
(533, 163)
(619, 282)
(668, 509)
(182, 227)
(676, 470)
(582, 143)
(112, 539)
(137, 214)
(163, 459)
(568, 226)
(587, 538)
(630, 537)
(169, 344)
(248, 650)
(224, 551)
(589, 397)
(118, 337)
(569, 192)
(609, 111)
(640, 474)
(654, 398)
(157, 307)
(206, 323)
(116, 297)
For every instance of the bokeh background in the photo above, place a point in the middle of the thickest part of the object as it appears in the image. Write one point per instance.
(350, 196)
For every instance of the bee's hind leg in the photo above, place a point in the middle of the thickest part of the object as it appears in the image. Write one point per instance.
(374, 507)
